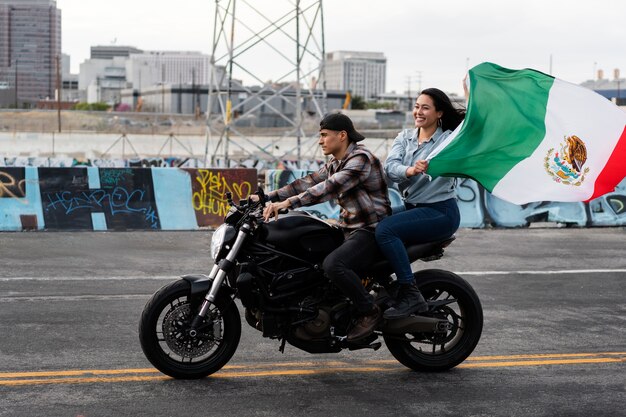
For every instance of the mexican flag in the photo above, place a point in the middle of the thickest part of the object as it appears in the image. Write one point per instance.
(528, 137)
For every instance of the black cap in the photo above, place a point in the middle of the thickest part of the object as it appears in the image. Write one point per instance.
(339, 122)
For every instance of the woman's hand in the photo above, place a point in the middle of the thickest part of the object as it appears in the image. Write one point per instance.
(419, 168)
(271, 210)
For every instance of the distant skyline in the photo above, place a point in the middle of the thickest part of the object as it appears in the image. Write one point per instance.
(427, 44)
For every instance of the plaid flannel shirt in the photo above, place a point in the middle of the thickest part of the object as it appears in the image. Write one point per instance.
(356, 181)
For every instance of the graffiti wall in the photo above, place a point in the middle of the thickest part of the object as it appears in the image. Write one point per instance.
(91, 198)
(158, 198)
(209, 188)
(480, 209)
(156, 162)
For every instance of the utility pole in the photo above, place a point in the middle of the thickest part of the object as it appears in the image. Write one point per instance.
(193, 91)
(58, 92)
(162, 88)
(16, 101)
(408, 92)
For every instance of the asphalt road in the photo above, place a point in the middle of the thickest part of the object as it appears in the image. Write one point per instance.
(554, 339)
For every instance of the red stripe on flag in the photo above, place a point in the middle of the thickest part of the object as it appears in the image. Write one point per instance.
(614, 171)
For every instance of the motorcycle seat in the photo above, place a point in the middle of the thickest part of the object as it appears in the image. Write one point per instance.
(429, 251)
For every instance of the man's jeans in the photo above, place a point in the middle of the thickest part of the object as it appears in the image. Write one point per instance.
(347, 264)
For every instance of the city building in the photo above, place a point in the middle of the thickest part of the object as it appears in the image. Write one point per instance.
(612, 89)
(168, 67)
(102, 80)
(112, 69)
(112, 51)
(104, 75)
(362, 73)
(30, 45)
(260, 103)
(69, 89)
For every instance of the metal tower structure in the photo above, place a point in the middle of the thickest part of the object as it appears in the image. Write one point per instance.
(267, 59)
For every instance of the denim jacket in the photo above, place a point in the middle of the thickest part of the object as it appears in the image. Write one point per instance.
(418, 189)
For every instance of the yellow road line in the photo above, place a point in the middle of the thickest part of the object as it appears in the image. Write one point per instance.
(545, 355)
(300, 368)
(77, 372)
(516, 357)
(540, 362)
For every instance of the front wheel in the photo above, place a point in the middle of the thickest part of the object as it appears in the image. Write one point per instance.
(452, 299)
(164, 337)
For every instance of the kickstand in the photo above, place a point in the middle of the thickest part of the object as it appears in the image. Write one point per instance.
(281, 349)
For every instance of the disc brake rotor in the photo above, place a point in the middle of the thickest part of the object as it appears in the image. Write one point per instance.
(175, 331)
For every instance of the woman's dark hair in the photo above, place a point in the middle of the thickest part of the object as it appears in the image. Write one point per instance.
(452, 117)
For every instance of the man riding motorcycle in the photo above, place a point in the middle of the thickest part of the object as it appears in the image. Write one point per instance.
(353, 176)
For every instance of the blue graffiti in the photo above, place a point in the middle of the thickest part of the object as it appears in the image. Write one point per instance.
(112, 176)
(479, 208)
(119, 201)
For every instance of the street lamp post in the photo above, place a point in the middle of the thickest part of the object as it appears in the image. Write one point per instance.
(16, 83)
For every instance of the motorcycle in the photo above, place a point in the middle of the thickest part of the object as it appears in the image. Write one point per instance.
(191, 327)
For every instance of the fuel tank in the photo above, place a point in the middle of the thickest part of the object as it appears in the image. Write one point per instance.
(302, 235)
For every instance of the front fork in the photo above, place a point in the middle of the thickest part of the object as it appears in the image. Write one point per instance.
(218, 273)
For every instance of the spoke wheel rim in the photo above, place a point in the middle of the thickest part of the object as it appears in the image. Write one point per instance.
(173, 333)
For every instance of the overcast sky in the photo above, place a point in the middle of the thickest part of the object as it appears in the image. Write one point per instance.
(431, 43)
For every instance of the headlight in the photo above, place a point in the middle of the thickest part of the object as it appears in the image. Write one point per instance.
(218, 240)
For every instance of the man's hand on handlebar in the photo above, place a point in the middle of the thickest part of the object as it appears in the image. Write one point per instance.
(272, 209)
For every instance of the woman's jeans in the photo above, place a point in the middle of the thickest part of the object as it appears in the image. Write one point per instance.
(420, 223)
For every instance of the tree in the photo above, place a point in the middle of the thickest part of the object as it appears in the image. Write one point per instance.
(91, 106)
(380, 105)
(357, 103)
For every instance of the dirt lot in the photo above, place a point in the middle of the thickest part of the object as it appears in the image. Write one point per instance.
(46, 121)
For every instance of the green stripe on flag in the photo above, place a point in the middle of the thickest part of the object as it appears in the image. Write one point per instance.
(505, 123)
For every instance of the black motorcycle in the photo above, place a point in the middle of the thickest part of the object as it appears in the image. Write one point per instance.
(191, 328)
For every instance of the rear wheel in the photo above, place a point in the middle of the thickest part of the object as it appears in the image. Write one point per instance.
(452, 299)
(165, 339)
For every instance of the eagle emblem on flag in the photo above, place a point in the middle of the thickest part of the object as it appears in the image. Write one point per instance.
(565, 164)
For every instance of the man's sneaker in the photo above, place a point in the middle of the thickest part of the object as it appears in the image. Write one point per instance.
(409, 301)
(365, 325)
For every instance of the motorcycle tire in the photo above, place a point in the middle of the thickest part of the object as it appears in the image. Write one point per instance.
(433, 352)
(163, 337)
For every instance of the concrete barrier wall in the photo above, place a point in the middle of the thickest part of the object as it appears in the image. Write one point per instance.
(95, 198)
(480, 209)
(92, 198)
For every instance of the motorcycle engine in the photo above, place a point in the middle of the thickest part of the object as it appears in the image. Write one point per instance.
(319, 327)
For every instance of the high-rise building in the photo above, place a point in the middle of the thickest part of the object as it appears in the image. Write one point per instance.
(363, 73)
(168, 67)
(30, 44)
(111, 51)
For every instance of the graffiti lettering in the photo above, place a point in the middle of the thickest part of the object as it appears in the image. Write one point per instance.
(464, 190)
(119, 200)
(112, 176)
(10, 187)
(69, 203)
(211, 199)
